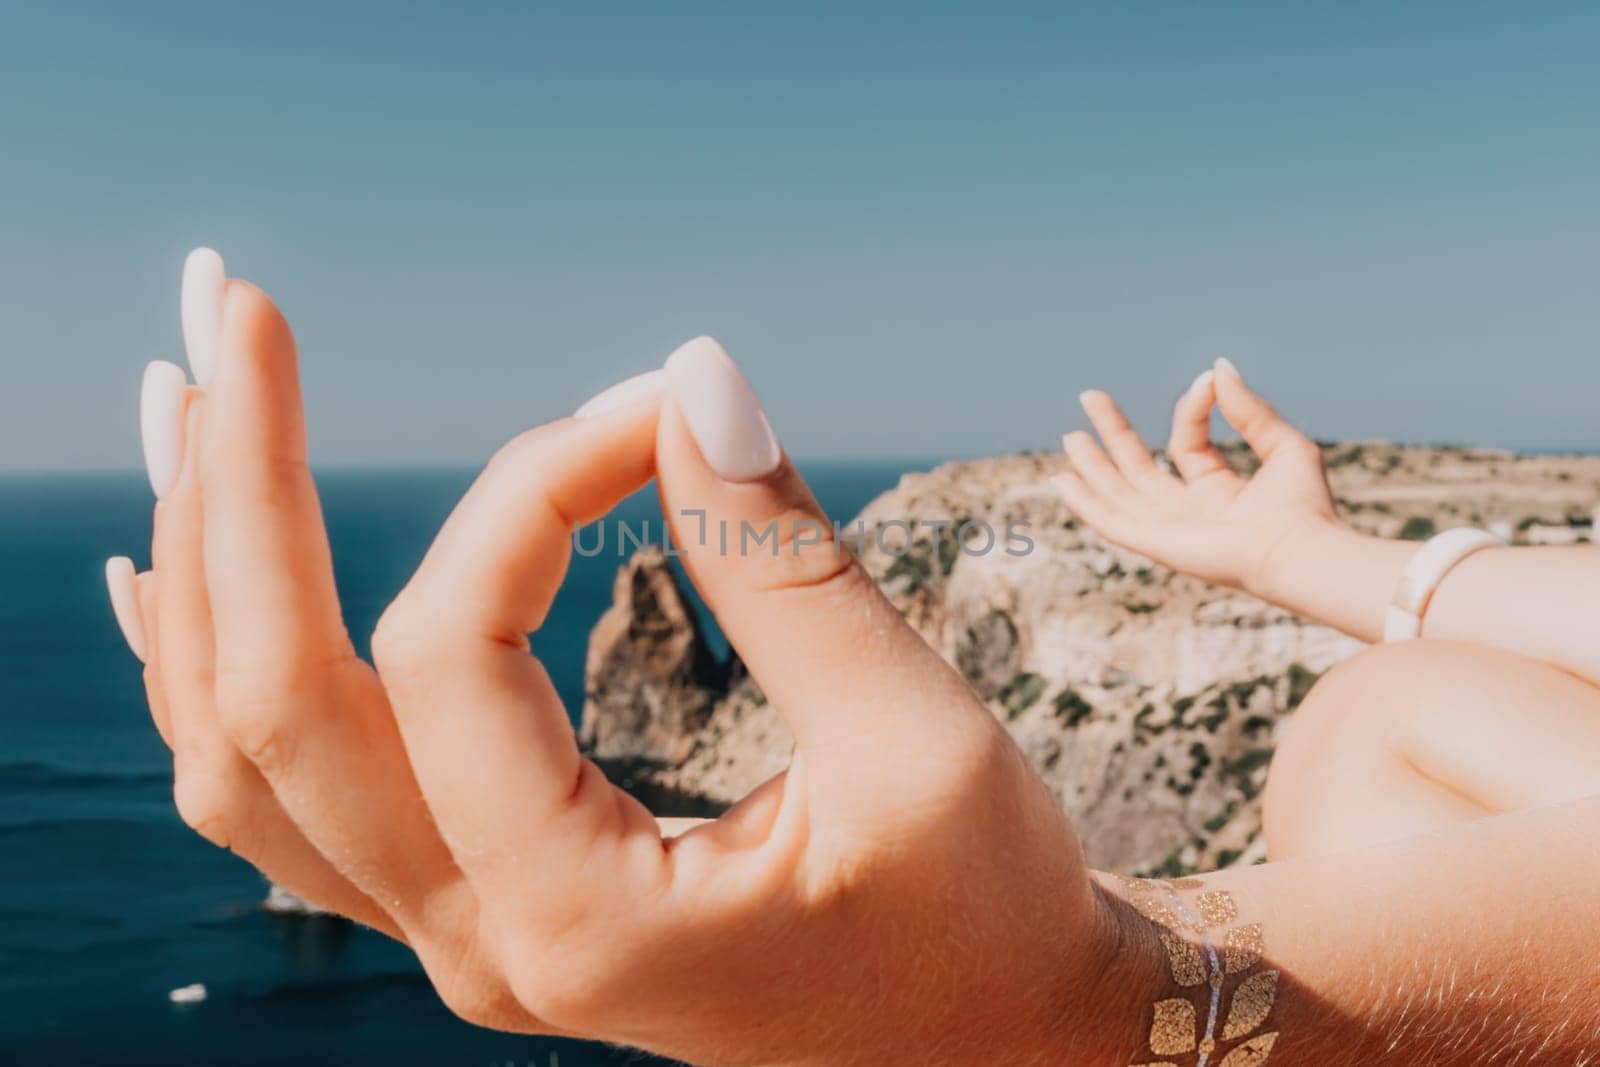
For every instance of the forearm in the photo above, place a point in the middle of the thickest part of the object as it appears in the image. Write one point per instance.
(1538, 602)
(1326, 571)
(1415, 952)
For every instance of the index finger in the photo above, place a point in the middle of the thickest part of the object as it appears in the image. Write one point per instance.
(1190, 447)
(472, 704)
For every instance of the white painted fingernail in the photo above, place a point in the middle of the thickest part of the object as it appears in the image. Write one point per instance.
(204, 280)
(125, 602)
(160, 418)
(722, 411)
(626, 392)
(1225, 365)
(1202, 381)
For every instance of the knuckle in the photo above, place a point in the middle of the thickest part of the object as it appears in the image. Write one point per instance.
(261, 735)
(530, 984)
(254, 719)
(395, 637)
(522, 457)
(835, 577)
(806, 555)
(1299, 445)
(257, 702)
(472, 1003)
(561, 994)
(409, 645)
(555, 974)
(469, 987)
(207, 805)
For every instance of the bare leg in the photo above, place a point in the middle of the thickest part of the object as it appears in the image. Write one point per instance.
(1408, 738)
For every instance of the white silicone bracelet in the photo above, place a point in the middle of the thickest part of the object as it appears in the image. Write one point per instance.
(1422, 576)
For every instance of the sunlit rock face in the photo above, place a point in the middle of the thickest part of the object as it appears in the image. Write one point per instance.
(650, 680)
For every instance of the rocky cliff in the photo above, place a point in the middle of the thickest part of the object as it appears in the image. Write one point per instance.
(1148, 701)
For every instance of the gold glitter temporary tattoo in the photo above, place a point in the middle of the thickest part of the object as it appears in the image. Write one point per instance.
(1216, 909)
(1173, 1029)
(1252, 1053)
(1157, 911)
(1241, 948)
(1179, 1026)
(1252, 1003)
(1188, 968)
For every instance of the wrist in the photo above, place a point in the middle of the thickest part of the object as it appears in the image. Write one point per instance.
(1296, 556)
(1327, 572)
(1099, 1014)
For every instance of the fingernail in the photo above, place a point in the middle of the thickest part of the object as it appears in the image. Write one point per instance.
(722, 411)
(1225, 365)
(125, 602)
(201, 311)
(1202, 381)
(160, 415)
(630, 391)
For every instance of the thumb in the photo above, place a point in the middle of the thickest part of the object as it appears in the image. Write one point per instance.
(1258, 423)
(833, 656)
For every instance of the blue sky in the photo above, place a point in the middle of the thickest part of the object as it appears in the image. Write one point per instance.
(922, 228)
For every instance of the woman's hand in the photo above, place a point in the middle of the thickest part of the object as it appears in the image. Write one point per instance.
(907, 890)
(1205, 520)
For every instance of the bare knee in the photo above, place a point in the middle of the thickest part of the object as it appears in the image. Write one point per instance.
(1409, 737)
(1344, 752)
(1503, 730)
(1353, 702)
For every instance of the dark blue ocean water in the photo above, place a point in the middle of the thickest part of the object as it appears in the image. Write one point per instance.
(107, 901)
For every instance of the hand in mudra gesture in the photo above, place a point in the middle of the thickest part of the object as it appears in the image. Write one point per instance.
(1201, 517)
(908, 888)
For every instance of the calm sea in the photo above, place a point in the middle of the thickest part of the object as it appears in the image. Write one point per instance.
(107, 902)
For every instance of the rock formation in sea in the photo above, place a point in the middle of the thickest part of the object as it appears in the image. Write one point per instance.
(1150, 702)
(650, 669)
